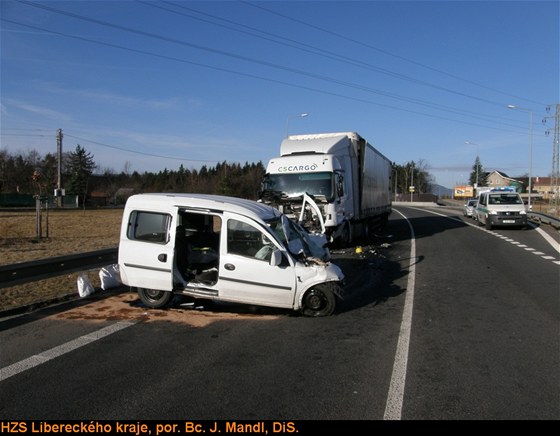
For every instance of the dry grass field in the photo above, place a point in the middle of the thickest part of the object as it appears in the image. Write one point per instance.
(69, 232)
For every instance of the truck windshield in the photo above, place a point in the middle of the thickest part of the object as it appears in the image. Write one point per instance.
(315, 184)
(505, 199)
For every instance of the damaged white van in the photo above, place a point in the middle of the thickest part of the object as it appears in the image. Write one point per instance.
(224, 249)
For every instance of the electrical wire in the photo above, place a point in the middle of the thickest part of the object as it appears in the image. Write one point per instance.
(253, 76)
(344, 37)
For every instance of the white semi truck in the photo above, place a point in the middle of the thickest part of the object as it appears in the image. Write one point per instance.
(332, 183)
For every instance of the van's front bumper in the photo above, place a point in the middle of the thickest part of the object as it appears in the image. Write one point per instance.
(508, 220)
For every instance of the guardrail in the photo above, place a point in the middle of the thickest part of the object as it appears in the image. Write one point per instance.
(25, 272)
(544, 219)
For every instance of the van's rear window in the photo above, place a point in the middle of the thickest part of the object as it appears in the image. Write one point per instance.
(149, 226)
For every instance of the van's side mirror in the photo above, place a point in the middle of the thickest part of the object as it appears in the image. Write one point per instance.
(276, 258)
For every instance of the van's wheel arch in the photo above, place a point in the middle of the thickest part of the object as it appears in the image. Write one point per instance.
(154, 298)
(320, 300)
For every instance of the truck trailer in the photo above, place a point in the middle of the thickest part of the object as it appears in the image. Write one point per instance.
(332, 183)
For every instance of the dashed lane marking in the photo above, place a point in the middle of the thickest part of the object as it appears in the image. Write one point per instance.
(555, 245)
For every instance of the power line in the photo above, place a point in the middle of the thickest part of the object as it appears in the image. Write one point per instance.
(249, 75)
(344, 37)
(315, 50)
(136, 151)
(248, 59)
(337, 57)
(252, 60)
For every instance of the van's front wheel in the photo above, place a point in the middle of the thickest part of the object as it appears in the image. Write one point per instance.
(320, 300)
(154, 298)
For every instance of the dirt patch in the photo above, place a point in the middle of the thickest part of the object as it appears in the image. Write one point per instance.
(126, 306)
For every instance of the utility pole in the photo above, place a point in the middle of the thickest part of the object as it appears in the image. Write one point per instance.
(412, 183)
(59, 168)
(554, 176)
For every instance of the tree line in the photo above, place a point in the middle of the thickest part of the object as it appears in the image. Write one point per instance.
(32, 174)
(414, 174)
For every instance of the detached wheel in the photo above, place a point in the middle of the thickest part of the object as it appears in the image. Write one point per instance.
(154, 298)
(320, 300)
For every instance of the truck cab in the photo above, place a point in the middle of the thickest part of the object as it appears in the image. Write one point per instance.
(502, 207)
(336, 184)
(224, 249)
(290, 180)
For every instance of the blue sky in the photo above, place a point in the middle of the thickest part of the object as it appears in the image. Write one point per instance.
(146, 86)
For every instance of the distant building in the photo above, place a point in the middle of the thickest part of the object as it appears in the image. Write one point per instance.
(122, 195)
(499, 179)
(542, 186)
(494, 179)
(98, 198)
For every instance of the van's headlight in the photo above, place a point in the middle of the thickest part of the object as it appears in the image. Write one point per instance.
(492, 212)
(522, 212)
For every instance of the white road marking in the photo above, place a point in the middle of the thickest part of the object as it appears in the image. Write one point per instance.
(548, 238)
(393, 407)
(395, 397)
(58, 351)
(555, 245)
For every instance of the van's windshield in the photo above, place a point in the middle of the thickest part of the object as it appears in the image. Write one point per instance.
(296, 239)
(505, 199)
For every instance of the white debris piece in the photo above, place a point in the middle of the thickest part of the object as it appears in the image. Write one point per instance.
(110, 277)
(85, 287)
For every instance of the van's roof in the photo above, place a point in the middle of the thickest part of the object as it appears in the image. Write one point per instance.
(250, 208)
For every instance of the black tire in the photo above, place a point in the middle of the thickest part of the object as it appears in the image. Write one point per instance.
(369, 229)
(320, 300)
(154, 298)
(488, 224)
(345, 238)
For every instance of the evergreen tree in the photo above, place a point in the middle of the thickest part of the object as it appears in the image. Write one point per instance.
(80, 167)
(478, 175)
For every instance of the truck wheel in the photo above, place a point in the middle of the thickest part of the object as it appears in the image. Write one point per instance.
(154, 298)
(319, 301)
(367, 227)
(488, 224)
(345, 238)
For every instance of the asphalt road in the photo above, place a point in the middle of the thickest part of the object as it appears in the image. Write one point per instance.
(441, 320)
